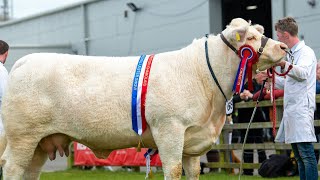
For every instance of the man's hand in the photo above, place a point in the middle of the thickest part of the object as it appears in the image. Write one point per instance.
(282, 64)
(261, 76)
(245, 95)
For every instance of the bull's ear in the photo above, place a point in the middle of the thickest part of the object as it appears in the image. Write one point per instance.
(238, 35)
(236, 31)
(259, 28)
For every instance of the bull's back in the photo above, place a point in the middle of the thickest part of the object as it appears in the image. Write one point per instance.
(59, 91)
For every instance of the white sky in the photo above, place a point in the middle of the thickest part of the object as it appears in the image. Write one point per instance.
(22, 8)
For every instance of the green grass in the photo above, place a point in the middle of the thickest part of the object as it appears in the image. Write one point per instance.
(76, 174)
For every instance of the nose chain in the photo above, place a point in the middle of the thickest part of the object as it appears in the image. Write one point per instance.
(290, 54)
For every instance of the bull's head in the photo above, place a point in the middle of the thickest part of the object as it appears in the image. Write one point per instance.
(240, 32)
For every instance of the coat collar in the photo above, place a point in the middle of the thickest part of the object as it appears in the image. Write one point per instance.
(298, 46)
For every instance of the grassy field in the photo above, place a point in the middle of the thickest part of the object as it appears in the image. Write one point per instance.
(123, 175)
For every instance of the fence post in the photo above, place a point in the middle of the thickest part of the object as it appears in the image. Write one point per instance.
(222, 153)
(70, 159)
(227, 152)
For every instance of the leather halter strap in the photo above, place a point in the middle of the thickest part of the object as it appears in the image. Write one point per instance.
(228, 44)
(264, 41)
(211, 71)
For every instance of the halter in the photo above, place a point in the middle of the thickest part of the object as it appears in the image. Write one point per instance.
(241, 52)
(248, 57)
(264, 41)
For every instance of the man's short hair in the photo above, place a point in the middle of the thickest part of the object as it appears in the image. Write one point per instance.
(287, 24)
(4, 47)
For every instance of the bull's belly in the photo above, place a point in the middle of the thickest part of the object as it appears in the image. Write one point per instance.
(117, 140)
(198, 141)
(102, 144)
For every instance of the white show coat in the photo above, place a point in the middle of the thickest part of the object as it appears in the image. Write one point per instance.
(3, 85)
(299, 86)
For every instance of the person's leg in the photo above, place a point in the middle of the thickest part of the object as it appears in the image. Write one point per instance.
(299, 161)
(213, 156)
(261, 152)
(307, 155)
(248, 158)
(261, 155)
(316, 151)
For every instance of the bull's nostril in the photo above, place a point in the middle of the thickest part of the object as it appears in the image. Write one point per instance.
(283, 46)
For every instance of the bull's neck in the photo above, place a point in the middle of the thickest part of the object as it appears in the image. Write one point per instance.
(224, 63)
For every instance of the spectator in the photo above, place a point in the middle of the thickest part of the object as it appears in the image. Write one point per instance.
(213, 156)
(318, 78)
(254, 135)
(266, 95)
(317, 112)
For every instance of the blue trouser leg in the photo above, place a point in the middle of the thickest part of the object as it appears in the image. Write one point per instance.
(307, 164)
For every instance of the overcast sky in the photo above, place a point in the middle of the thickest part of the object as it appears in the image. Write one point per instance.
(22, 8)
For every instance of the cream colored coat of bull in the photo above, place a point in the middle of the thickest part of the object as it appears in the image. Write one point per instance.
(55, 98)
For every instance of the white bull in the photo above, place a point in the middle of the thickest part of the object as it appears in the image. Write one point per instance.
(52, 99)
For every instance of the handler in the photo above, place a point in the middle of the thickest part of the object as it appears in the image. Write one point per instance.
(297, 125)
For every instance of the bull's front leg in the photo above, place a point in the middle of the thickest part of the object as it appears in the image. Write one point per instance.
(169, 137)
(191, 166)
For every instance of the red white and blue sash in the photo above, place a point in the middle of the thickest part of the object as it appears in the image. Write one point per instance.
(139, 91)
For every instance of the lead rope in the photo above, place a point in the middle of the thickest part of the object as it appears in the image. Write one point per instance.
(273, 96)
(273, 100)
(274, 112)
(246, 135)
(274, 107)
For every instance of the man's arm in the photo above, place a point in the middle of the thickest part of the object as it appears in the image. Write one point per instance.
(3, 81)
(302, 69)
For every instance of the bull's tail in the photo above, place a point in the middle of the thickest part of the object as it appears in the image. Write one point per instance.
(3, 144)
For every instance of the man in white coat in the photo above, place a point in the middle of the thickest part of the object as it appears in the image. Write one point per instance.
(4, 48)
(297, 127)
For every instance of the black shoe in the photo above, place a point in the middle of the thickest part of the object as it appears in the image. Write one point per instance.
(247, 173)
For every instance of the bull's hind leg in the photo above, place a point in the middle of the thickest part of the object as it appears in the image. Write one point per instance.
(169, 138)
(17, 156)
(191, 166)
(34, 168)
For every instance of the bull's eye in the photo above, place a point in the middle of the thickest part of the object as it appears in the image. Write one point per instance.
(250, 38)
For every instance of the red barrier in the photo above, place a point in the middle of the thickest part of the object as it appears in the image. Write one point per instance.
(83, 156)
